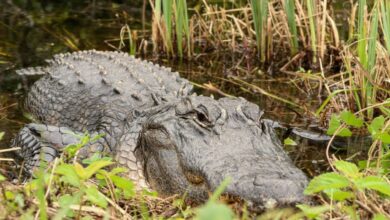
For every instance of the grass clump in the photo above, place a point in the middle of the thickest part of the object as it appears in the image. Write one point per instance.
(260, 18)
(167, 15)
(68, 189)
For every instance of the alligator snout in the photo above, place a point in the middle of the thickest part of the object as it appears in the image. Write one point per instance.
(261, 188)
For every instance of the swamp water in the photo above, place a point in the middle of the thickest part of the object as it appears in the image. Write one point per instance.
(33, 31)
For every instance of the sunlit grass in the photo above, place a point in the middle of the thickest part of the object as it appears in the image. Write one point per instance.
(260, 16)
(385, 16)
(168, 15)
(182, 26)
(289, 7)
(313, 30)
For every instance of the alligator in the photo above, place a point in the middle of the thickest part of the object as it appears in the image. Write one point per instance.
(170, 139)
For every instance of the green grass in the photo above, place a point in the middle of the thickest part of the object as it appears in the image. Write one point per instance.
(289, 7)
(313, 30)
(370, 65)
(182, 26)
(260, 15)
(168, 14)
(175, 15)
(385, 12)
(367, 54)
(67, 189)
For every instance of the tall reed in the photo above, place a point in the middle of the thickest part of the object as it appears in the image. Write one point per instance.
(169, 14)
(289, 7)
(366, 51)
(385, 12)
(372, 40)
(182, 26)
(313, 30)
(362, 31)
(260, 15)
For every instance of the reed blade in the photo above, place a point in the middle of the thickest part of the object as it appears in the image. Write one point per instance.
(290, 12)
(385, 12)
(313, 30)
(182, 25)
(260, 15)
(372, 40)
(361, 35)
(167, 13)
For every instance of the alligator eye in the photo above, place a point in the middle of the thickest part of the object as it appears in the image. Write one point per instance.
(194, 178)
(202, 119)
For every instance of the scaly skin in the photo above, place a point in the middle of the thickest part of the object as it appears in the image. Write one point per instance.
(170, 140)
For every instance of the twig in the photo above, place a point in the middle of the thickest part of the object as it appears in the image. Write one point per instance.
(9, 149)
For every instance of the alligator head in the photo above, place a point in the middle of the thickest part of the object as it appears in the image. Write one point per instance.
(192, 146)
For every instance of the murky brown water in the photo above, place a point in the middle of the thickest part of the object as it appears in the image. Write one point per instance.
(33, 31)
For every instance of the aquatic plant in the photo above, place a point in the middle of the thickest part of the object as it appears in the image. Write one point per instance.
(169, 14)
(289, 7)
(385, 16)
(260, 17)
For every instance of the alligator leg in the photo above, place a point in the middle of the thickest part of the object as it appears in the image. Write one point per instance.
(44, 142)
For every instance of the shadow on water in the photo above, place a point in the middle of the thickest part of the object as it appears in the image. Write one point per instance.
(32, 31)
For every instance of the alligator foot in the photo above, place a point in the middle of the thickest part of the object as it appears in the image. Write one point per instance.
(39, 142)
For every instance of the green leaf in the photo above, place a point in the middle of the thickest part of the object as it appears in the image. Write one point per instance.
(325, 182)
(384, 137)
(334, 125)
(80, 170)
(339, 195)
(362, 164)
(94, 167)
(347, 168)
(376, 125)
(69, 174)
(118, 170)
(1, 135)
(65, 202)
(214, 211)
(9, 195)
(2, 178)
(380, 217)
(72, 149)
(289, 141)
(95, 197)
(146, 192)
(126, 185)
(344, 132)
(350, 119)
(374, 183)
(313, 212)
(95, 157)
